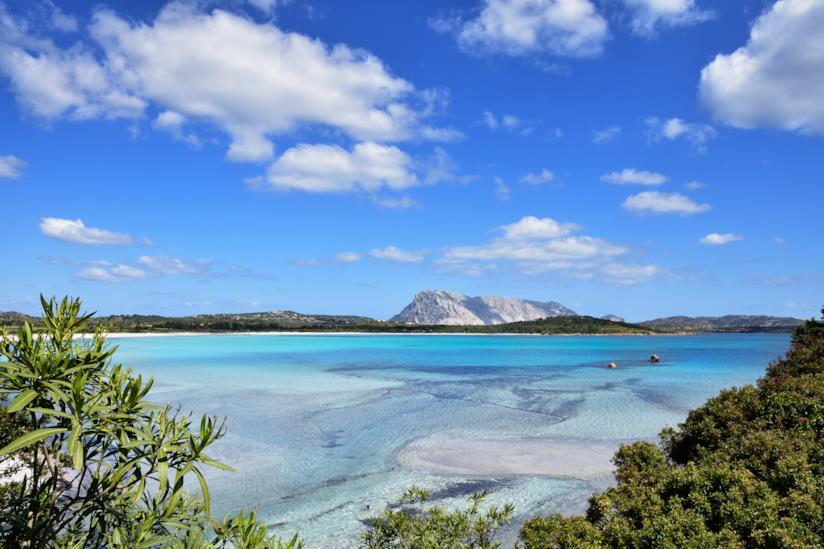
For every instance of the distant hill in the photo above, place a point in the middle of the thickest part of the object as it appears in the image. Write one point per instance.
(728, 323)
(613, 318)
(440, 307)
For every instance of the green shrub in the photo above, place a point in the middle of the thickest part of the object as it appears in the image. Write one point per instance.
(106, 467)
(746, 469)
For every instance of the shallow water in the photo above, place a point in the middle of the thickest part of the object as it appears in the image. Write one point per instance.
(317, 422)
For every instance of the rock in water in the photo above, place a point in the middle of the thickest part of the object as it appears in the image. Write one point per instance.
(441, 307)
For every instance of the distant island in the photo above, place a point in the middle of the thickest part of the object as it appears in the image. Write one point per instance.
(436, 312)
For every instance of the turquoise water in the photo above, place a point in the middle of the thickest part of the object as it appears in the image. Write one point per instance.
(317, 422)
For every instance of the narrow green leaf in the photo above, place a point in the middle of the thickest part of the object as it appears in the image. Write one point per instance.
(30, 438)
(204, 489)
(22, 400)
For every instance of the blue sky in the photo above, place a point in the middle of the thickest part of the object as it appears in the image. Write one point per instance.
(637, 157)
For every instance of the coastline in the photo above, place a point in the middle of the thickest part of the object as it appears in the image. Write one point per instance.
(134, 335)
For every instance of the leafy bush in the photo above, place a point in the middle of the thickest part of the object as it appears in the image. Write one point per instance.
(411, 525)
(744, 470)
(106, 468)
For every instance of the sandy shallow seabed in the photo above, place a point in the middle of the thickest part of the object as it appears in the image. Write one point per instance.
(547, 457)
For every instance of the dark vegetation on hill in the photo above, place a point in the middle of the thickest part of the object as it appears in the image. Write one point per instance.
(728, 323)
(296, 322)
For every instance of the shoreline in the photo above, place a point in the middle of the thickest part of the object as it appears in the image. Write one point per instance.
(136, 335)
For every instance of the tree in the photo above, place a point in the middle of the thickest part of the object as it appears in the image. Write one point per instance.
(106, 468)
(746, 469)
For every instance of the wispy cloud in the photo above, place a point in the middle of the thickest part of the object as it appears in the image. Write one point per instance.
(606, 135)
(697, 135)
(347, 257)
(719, 239)
(632, 176)
(76, 232)
(392, 253)
(544, 176)
(11, 167)
(113, 274)
(663, 203)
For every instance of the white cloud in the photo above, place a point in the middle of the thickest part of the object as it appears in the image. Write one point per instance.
(76, 232)
(117, 273)
(392, 253)
(606, 135)
(535, 245)
(777, 79)
(694, 185)
(347, 257)
(544, 176)
(779, 240)
(490, 120)
(510, 121)
(648, 15)
(502, 190)
(631, 176)
(718, 239)
(663, 203)
(11, 167)
(172, 122)
(566, 28)
(172, 265)
(618, 273)
(368, 167)
(252, 80)
(696, 134)
(531, 228)
(400, 203)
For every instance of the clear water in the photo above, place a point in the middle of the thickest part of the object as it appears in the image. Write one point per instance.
(316, 422)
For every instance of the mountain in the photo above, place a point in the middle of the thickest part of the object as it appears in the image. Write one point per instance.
(449, 308)
(613, 318)
(728, 323)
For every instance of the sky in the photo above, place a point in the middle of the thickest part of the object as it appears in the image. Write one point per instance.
(643, 158)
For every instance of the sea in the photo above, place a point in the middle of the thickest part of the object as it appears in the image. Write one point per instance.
(325, 431)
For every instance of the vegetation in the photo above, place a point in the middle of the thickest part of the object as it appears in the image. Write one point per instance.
(296, 322)
(411, 525)
(744, 470)
(104, 467)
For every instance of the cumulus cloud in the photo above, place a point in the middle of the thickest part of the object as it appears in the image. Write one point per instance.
(696, 134)
(535, 245)
(606, 135)
(164, 264)
(631, 176)
(544, 176)
(663, 203)
(253, 80)
(694, 185)
(347, 257)
(719, 239)
(172, 123)
(111, 274)
(76, 232)
(11, 167)
(564, 28)
(392, 253)
(776, 80)
(649, 15)
(367, 167)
